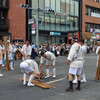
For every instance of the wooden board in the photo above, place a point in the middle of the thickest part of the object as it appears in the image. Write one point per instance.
(39, 84)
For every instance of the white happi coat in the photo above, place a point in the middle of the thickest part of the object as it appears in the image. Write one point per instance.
(49, 56)
(33, 65)
(76, 63)
(83, 51)
(97, 50)
(26, 50)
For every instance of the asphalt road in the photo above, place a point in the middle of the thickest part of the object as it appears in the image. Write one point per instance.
(12, 89)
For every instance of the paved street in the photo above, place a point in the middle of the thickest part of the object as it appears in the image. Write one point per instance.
(11, 88)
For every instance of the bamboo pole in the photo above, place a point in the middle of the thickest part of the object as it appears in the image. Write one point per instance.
(7, 67)
(97, 76)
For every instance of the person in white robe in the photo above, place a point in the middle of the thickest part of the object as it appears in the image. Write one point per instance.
(49, 58)
(29, 67)
(75, 63)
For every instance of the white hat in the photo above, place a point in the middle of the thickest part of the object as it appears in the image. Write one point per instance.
(8, 40)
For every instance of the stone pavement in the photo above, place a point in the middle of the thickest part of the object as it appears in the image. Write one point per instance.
(11, 88)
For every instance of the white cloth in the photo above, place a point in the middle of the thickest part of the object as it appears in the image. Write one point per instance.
(29, 66)
(49, 56)
(48, 62)
(26, 50)
(10, 49)
(97, 50)
(75, 71)
(0, 61)
(82, 54)
(77, 63)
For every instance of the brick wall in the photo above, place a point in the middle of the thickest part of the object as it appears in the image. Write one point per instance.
(17, 18)
(89, 19)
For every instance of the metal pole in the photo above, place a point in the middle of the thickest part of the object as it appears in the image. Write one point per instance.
(37, 24)
(28, 24)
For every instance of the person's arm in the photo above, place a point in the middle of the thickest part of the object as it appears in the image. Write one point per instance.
(40, 67)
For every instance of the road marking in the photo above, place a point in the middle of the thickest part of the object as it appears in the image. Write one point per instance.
(56, 80)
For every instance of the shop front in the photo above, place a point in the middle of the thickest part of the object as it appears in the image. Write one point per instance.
(51, 37)
(72, 34)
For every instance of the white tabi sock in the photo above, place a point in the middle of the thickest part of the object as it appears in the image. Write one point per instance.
(30, 80)
(24, 77)
(11, 65)
(75, 80)
(0, 73)
(54, 72)
(83, 77)
(47, 71)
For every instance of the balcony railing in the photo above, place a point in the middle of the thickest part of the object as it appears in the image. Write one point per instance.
(4, 3)
(4, 24)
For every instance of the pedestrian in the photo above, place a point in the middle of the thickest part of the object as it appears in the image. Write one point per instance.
(76, 64)
(50, 58)
(82, 54)
(1, 55)
(10, 52)
(26, 51)
(29, 67)
(98, 51)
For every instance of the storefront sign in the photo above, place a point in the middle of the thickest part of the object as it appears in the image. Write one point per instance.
(30, 21)
(96, 30)
(95, 14)
(93, 37)
(55, 33)
(97, 37)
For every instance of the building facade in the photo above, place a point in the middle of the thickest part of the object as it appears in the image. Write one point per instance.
(60, 26)
(91, 19)
(17, 18)
(4, 20)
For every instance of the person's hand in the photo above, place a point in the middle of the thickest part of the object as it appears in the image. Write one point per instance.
(40, 80)
(67, 62)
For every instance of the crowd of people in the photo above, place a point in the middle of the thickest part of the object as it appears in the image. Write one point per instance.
(48, 53)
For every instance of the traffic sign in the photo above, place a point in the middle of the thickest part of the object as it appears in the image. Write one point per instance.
(33, 26)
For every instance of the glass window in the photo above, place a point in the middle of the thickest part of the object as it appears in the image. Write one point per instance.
(67, 7)
(76, 8)
(34, 4)
(72, 24)
(47, 4)
(41, 4)
(72, 7)
(63, 6)
(52, 21)
(47, 22)
(57, 5)
(63, 23)
(76, 23)
(57, 23)
(67, 23)
(53, 2)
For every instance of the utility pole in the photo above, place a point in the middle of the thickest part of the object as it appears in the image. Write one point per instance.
(28, 24)
(37, 24)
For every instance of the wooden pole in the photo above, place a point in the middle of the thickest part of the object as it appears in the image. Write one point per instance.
(97, 76)
(7, 67)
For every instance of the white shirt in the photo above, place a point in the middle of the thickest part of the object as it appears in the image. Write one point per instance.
(33, 64)
(83, 51)
(77, 63)
(49, 56)
(26, 50)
